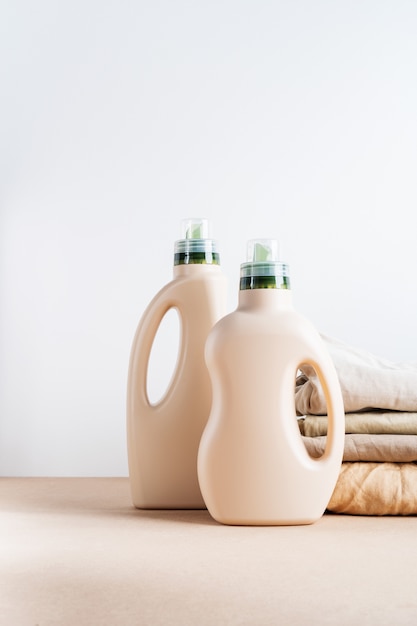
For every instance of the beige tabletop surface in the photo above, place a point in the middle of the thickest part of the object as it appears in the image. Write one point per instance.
(74, 551)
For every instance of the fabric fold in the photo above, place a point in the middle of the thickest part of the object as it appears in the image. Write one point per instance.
(375, 489)
(370, 448)
(369, 422)
(366, 381)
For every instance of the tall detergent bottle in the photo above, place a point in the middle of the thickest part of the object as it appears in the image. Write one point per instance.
(253, 467)
(163, 438)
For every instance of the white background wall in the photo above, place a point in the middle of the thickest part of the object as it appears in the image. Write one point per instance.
(292, 119)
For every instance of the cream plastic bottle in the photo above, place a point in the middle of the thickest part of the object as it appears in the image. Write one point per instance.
(253, 467)
(163, 438)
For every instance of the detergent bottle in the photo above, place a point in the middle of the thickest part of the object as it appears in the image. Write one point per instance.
(163, 437)
(253, 467)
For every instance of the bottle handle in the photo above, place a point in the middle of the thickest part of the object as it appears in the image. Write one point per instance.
(165, 299)
(327, 375)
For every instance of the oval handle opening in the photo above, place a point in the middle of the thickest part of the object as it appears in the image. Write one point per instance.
(164, 356)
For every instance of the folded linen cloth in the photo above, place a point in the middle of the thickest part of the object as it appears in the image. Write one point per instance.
(371, 422)
(375, 489)
(366, 381)
(376, 448)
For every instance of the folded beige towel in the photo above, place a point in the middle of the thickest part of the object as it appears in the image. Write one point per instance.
(379, 448)
(371, 422)
(375, 489)
(366, 380)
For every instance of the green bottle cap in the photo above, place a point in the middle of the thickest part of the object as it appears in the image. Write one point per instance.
(196, 246)
(263, 269)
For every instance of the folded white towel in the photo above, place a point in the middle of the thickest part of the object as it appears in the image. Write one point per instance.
(366, 381)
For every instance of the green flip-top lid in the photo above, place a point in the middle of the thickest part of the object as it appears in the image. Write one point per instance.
(196, 244)
(263, 269)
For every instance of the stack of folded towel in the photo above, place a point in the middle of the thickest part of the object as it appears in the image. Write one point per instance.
(379, 470)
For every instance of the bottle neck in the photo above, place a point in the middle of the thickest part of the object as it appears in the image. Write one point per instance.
(265, 299)
(196, 269)
(200, 257)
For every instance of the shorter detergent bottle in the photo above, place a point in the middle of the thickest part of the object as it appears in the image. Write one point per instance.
(253, 467)
(163, 438)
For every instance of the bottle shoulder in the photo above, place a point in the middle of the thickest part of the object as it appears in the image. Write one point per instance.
(271, 328)
(197, 271)
(188, 283)
(262, 319)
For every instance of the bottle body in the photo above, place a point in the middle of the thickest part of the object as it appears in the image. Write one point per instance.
(163, 438)
(253, 467)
